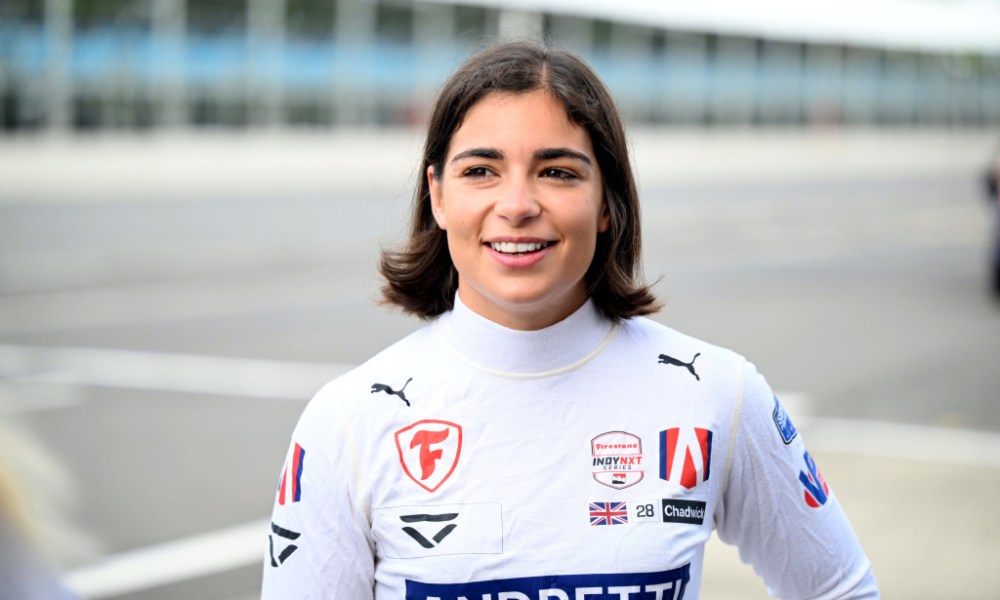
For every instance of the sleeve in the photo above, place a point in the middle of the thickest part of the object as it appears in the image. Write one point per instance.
(779, 511)
(319, 544)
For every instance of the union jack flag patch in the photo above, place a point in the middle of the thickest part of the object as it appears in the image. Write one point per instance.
(608, 513)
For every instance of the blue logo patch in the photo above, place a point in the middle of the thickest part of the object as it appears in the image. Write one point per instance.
(611, 586)
(784, 423)
(817, 492)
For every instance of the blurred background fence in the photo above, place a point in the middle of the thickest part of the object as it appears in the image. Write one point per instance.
(154, 64)
(169, 302)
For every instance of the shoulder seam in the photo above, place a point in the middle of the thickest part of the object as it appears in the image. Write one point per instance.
(734, 428)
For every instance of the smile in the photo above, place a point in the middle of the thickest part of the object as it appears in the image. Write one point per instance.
(518, 247)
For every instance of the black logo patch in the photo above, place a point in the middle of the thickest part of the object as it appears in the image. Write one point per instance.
(437, 537)
(381, 387)
(289, 548)
(683, 511)
(669, 360)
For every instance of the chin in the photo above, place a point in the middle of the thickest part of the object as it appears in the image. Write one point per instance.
(541, 302)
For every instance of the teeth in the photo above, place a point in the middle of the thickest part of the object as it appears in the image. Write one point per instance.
(517, 248)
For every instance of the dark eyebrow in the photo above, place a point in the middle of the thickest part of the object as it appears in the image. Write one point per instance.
(554, 153)
(490, 153)
(544, 154)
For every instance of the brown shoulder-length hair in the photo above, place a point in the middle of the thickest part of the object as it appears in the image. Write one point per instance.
(420, 277)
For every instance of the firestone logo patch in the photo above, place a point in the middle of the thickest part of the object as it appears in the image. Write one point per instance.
(429, 451)
(616, 459)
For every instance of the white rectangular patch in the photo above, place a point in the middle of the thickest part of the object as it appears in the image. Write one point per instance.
(644, 511)
(439, 529)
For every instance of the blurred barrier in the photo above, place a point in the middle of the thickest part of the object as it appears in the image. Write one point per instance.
(379, 64)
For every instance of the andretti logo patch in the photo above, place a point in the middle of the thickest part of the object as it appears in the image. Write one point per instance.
(685, 455)
(664, 585)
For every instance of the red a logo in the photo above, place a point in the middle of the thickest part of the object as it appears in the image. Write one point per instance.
(429, 451)
(685, 455)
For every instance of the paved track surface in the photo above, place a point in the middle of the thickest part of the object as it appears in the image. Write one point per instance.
(167, 305)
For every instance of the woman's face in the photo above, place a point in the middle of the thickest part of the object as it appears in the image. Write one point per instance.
(521, 199)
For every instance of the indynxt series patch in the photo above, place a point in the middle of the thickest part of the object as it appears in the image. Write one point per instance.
(663, 585)
(616, 459)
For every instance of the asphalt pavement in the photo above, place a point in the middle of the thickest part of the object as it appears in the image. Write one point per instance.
(168, 303)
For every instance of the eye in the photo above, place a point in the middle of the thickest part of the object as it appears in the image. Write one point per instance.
(477, 173)
(558, 173)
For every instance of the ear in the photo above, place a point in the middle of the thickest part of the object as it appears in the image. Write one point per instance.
(604, 220)
(437, 202)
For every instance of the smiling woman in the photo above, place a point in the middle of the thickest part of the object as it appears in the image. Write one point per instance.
(543, 127)
(540, 438)
(521, 201)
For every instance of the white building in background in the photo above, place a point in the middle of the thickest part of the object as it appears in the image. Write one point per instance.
(85, 64)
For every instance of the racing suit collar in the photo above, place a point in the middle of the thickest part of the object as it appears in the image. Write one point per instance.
(494, 348)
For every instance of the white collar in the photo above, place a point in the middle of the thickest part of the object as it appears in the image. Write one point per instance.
(496, 349)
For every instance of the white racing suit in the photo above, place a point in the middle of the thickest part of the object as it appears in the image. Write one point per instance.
(585, 461)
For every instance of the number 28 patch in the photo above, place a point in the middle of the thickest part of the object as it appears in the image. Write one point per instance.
(670, 510)
(660, 510)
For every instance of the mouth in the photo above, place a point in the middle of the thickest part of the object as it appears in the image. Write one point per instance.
(518, 248)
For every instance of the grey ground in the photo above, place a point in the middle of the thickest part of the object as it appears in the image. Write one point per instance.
(850, 267)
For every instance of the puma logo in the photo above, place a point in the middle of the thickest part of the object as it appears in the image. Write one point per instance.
(669, 360)
(381, 387)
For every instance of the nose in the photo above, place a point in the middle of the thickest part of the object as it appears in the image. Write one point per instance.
(517, 202)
